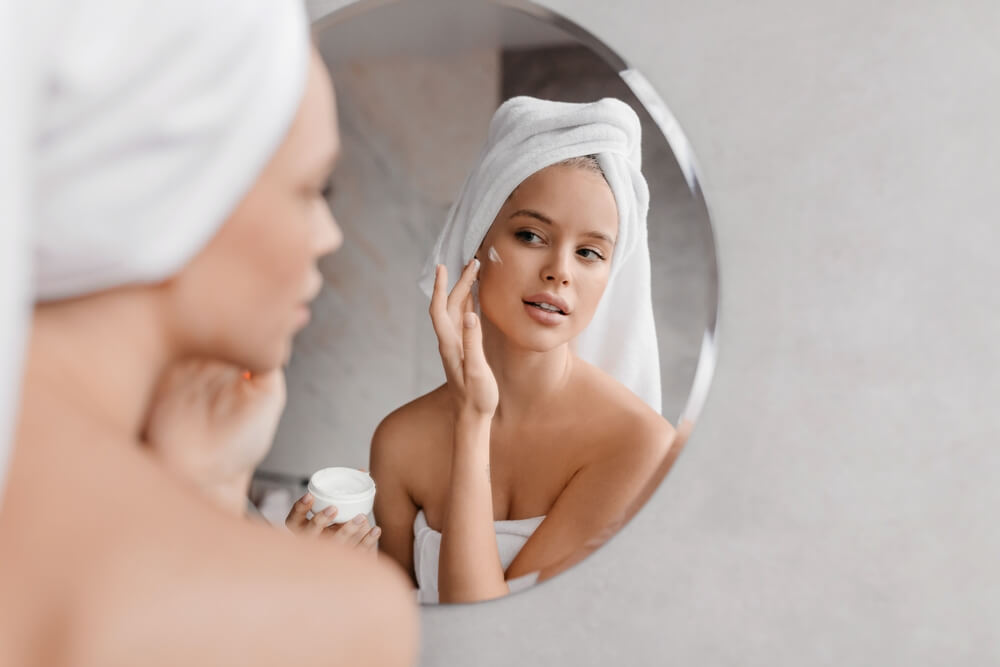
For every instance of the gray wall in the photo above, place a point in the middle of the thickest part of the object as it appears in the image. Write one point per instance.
(835, 503)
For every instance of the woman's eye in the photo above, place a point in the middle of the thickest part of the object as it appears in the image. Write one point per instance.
(593, 254)
(528, 237)
(327, 192)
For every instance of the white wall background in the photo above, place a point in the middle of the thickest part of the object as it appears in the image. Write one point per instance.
(835, 503)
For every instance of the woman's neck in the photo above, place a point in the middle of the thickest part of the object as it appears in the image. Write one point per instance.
(526, 379)
(99, 357)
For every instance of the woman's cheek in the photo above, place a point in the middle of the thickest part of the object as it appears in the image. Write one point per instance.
(487, 297)
(592, 291)
(493, 302)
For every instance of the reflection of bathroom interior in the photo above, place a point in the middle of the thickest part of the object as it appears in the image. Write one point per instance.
(414, 112)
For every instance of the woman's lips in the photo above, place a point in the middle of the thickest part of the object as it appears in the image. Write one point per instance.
(303, 313)
(549, 299)
(542, 316)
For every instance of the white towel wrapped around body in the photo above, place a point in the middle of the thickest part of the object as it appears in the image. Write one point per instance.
(512, 535)
(527, 135)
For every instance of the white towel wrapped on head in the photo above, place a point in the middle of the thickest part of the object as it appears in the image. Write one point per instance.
(527, 135)
(156, 121)
(134, 129)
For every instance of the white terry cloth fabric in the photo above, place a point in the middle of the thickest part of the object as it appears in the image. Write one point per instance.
(511, 537)
(130, 131)
(157, 119)
(528, 134)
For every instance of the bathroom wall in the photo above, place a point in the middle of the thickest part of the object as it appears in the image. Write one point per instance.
(835, 504)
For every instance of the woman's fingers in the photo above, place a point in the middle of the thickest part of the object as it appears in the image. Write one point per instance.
(370, 540)
(356, 533)
(467, 304)
(449, 341)
(297, 515)
(270, 385)
(462, 290)
(298, 522)
(480, 385)
(320, 520)
(439, 302)
(351, 533)
(472, 341)
(448, 312)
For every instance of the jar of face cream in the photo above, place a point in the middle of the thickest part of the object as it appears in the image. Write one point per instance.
(351, 491)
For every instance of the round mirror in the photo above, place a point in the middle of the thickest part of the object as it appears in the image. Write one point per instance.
(418, 83)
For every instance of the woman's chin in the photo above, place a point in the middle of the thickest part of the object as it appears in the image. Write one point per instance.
(539, 341)
(527, 334)
(276, 356)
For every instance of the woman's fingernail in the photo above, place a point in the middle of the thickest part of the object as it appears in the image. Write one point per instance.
(359, 519)
(331, 510)
(308, 498)
(475, 264)
(376, 532)
(470, 320)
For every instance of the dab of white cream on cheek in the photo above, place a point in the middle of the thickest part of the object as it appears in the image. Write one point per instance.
(493, 255)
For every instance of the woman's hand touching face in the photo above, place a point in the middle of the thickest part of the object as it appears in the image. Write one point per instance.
(212, 423)
(460, 342)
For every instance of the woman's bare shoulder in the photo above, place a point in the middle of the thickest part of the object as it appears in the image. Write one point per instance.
(413, 427)
(95, 600)
(624, 418)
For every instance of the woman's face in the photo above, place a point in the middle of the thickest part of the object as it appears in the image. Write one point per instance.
(246, 294)
(551, 257)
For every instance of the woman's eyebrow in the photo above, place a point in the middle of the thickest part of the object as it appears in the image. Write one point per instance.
(602, 236)
(532, 214)
(547, 220)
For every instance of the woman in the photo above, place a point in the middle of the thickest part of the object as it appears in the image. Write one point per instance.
(548, 427)
(183, 169)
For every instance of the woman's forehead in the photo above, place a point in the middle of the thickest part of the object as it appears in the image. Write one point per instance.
(568, 197)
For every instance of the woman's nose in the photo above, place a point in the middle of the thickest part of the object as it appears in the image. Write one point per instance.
(557, 269)
(329, 237)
